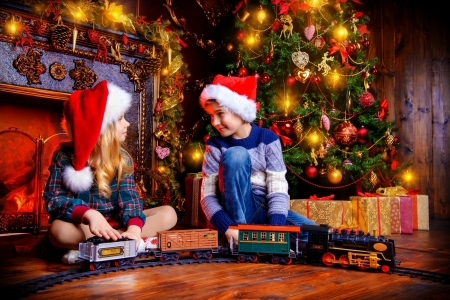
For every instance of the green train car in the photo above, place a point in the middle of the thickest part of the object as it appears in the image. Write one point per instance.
(257, 240)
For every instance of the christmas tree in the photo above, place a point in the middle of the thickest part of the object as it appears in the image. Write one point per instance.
(314, 90)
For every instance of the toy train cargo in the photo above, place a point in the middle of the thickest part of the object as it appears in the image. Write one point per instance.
(202, 243)
(100, 253)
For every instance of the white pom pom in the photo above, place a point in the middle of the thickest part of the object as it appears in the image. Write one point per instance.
(78, 181)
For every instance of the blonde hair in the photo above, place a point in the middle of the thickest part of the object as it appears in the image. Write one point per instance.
(106, 160)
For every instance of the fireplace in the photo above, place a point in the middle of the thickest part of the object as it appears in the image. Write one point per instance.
(34, 82)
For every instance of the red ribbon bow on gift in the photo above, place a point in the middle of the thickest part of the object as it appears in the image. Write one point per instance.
(413, 192)
(383, 109)
(335, 47)
(314, 197)
(284, 139)
(366, 194)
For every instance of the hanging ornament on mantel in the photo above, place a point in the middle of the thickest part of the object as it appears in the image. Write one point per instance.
(60, 35)
(124, 39)
(93, 36)
(40, 26)
(74, 38)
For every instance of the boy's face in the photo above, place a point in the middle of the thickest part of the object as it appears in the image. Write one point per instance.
(226, 122)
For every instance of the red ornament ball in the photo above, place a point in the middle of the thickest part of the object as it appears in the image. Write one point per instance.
(124, 39)
(290, 80)
(140, 49)
(240, 35)
(311, 171)
(315, 79)
(345, 134)
(396, 139)
(392, 153)
(276, 25)
(351, 48)
(264, 78)
(362, 132)
(366, 99)
(330, 142)
(267, 60)
(361, 141)
(366, 43)
(242, 72)
(286, 126)
(374, 71)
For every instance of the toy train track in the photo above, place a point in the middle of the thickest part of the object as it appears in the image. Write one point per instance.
(28, 287)
(424, 275)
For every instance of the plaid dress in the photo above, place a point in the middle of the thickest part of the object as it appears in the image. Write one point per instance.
(123, 206)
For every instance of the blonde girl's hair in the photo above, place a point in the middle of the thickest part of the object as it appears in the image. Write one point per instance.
(107, 160)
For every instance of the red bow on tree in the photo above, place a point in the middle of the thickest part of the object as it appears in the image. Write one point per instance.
(284, 139)
(335, 47)
(383, 109)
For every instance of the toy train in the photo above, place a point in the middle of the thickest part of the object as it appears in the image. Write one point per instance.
(280, 243)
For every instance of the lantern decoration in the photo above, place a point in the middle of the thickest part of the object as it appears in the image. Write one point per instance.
(261, 14)
(373, 179)
(334, 176)
(345, 133)
(366, 99)
(311, 171)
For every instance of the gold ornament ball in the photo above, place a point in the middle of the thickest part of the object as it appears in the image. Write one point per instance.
(164, 72)
(359, 154)
(334, 176)
(340, 33)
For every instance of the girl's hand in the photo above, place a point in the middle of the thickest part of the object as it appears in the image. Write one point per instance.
(99, 226)
(133, 232)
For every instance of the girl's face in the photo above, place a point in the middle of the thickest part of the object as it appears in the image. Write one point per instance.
(121, 128)
(226, 122)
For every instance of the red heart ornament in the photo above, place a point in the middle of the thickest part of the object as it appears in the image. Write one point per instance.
(162, 152)
(309, 32)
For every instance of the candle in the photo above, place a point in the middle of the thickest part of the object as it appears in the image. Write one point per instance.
(169, 54)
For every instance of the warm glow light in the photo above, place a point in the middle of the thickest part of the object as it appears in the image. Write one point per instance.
(287, 106)
(161, 169)
(334, 78)
(261, 15)
(197, 155)
(245, 16)
(316, 3)
(340, 33)
(12, 28)
(407, 176)
(164, 72)
(78, 15)
(314, 138)
(251, 40)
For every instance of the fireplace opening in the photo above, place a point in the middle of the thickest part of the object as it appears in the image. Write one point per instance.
(29, 133)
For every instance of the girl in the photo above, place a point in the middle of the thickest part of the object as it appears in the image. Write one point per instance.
(91, 189)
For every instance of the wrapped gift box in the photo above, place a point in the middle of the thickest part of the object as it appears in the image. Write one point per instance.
(421, 220)
(372, 213)
(406, 215)
(193, 214)
(335, 213)
(395, 215)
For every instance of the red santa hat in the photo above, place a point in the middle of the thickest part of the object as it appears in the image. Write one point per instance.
(88, 113)
(238, 94)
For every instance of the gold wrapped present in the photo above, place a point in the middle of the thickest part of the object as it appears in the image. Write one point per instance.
(372, 214)
(335, 213)
(421, 220)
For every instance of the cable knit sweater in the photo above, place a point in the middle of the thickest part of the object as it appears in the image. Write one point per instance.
(267, 176)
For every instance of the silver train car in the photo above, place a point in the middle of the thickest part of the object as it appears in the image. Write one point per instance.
(99, 253)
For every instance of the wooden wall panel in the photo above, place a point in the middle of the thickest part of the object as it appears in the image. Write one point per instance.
(411, 41)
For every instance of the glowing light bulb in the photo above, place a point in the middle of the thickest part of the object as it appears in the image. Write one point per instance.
(164, 72)
(261, 14)
(408, 176)
(251, 40)
(314, 138)
(161, 169)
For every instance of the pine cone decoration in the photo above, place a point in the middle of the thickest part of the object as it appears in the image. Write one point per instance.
(60, 36)
(389, 140)
(298, 128)
(154, 66)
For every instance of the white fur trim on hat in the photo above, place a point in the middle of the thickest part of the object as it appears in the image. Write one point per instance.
(78, 181)
(236, 103)
(117, 103)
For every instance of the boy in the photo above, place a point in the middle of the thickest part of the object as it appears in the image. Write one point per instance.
(243, 169)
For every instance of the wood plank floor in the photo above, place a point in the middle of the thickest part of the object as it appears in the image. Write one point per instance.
(425, 250)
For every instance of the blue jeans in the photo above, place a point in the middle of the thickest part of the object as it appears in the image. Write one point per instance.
(237, 197)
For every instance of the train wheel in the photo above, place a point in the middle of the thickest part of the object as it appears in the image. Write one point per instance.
(328, 259)
(209, 255)
(253, 258)
(93, 266)
(275, 259)
(194, 255)
(164, 257)
(287, 260)
(385, 268)
(175, 256)
(119, 263)
(241, 258)
(343, 260)
(106, 264)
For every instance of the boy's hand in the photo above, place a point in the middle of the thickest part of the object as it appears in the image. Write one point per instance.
(99, 226)
(133, 232)
(232, 233)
